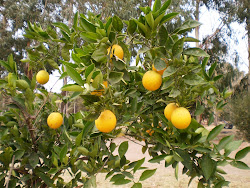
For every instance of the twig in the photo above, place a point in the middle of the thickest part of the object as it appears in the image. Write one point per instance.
(133, 141)
(103, 165)
(11, 168)
(211, 36)
(44, 102)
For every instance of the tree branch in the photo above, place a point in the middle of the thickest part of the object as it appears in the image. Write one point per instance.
(10, 172)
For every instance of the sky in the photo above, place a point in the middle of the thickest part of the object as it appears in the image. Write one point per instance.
(210, 22)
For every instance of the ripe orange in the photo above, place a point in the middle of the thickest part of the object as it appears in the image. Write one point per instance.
(100, 91)
(152, 80)
(181, 118)
(116, 50)
(55, 120)
(169, 110)
(42, 77)
(106, 122)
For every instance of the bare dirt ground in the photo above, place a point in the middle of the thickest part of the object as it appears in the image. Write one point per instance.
(164, 177)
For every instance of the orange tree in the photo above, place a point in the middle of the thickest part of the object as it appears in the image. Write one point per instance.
(118, 98)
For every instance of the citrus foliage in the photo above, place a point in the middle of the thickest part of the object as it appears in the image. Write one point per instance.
(40, 154)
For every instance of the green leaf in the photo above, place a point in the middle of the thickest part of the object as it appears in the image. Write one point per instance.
(62, 26)
(178, 47)
(196, 52)
(83, 150)
(232, 146)
(168, 17)
(191, 39)
(212, 68)
(227, 93)
(157, 5)
(72, 87)
(216, 78)
(33, 160)
(199, 109)
(123, 148)
(134, 104)
(141, 51)
(193, 79)
(214, 132)
(240, 165)
(176, 171)
(167, 84)
(150, 20)
(18, 154)
(63, 152)
(147, 174)
(79, 139)
(89, 71)
(142, 27)
(100, 54)
(187, 26)
(117, 23)
(242, 153)
(169, 71)
(12, 63)
(165, 6)
(174, 93)
(138, 164)
(222, 183)
(208, 166)
(159, 64)
(122, 181)
(131, 27)
(74, 75)
(158, 20)
(86, 25)
(117, 177)
(90, 36)
(115, 77)
(158, 158)
(211, 119)
(65, 53)
(52, 63)
(163, 35)
(5, 65)
(137, 185)
(75, 24)
(46, 179)
(22, 84)
(119, 64)
(224, 141)
(53, 171)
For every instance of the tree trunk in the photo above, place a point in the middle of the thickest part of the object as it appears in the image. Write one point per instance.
(64, 106)
(248, 35)
(150, 3)
(197, 14)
